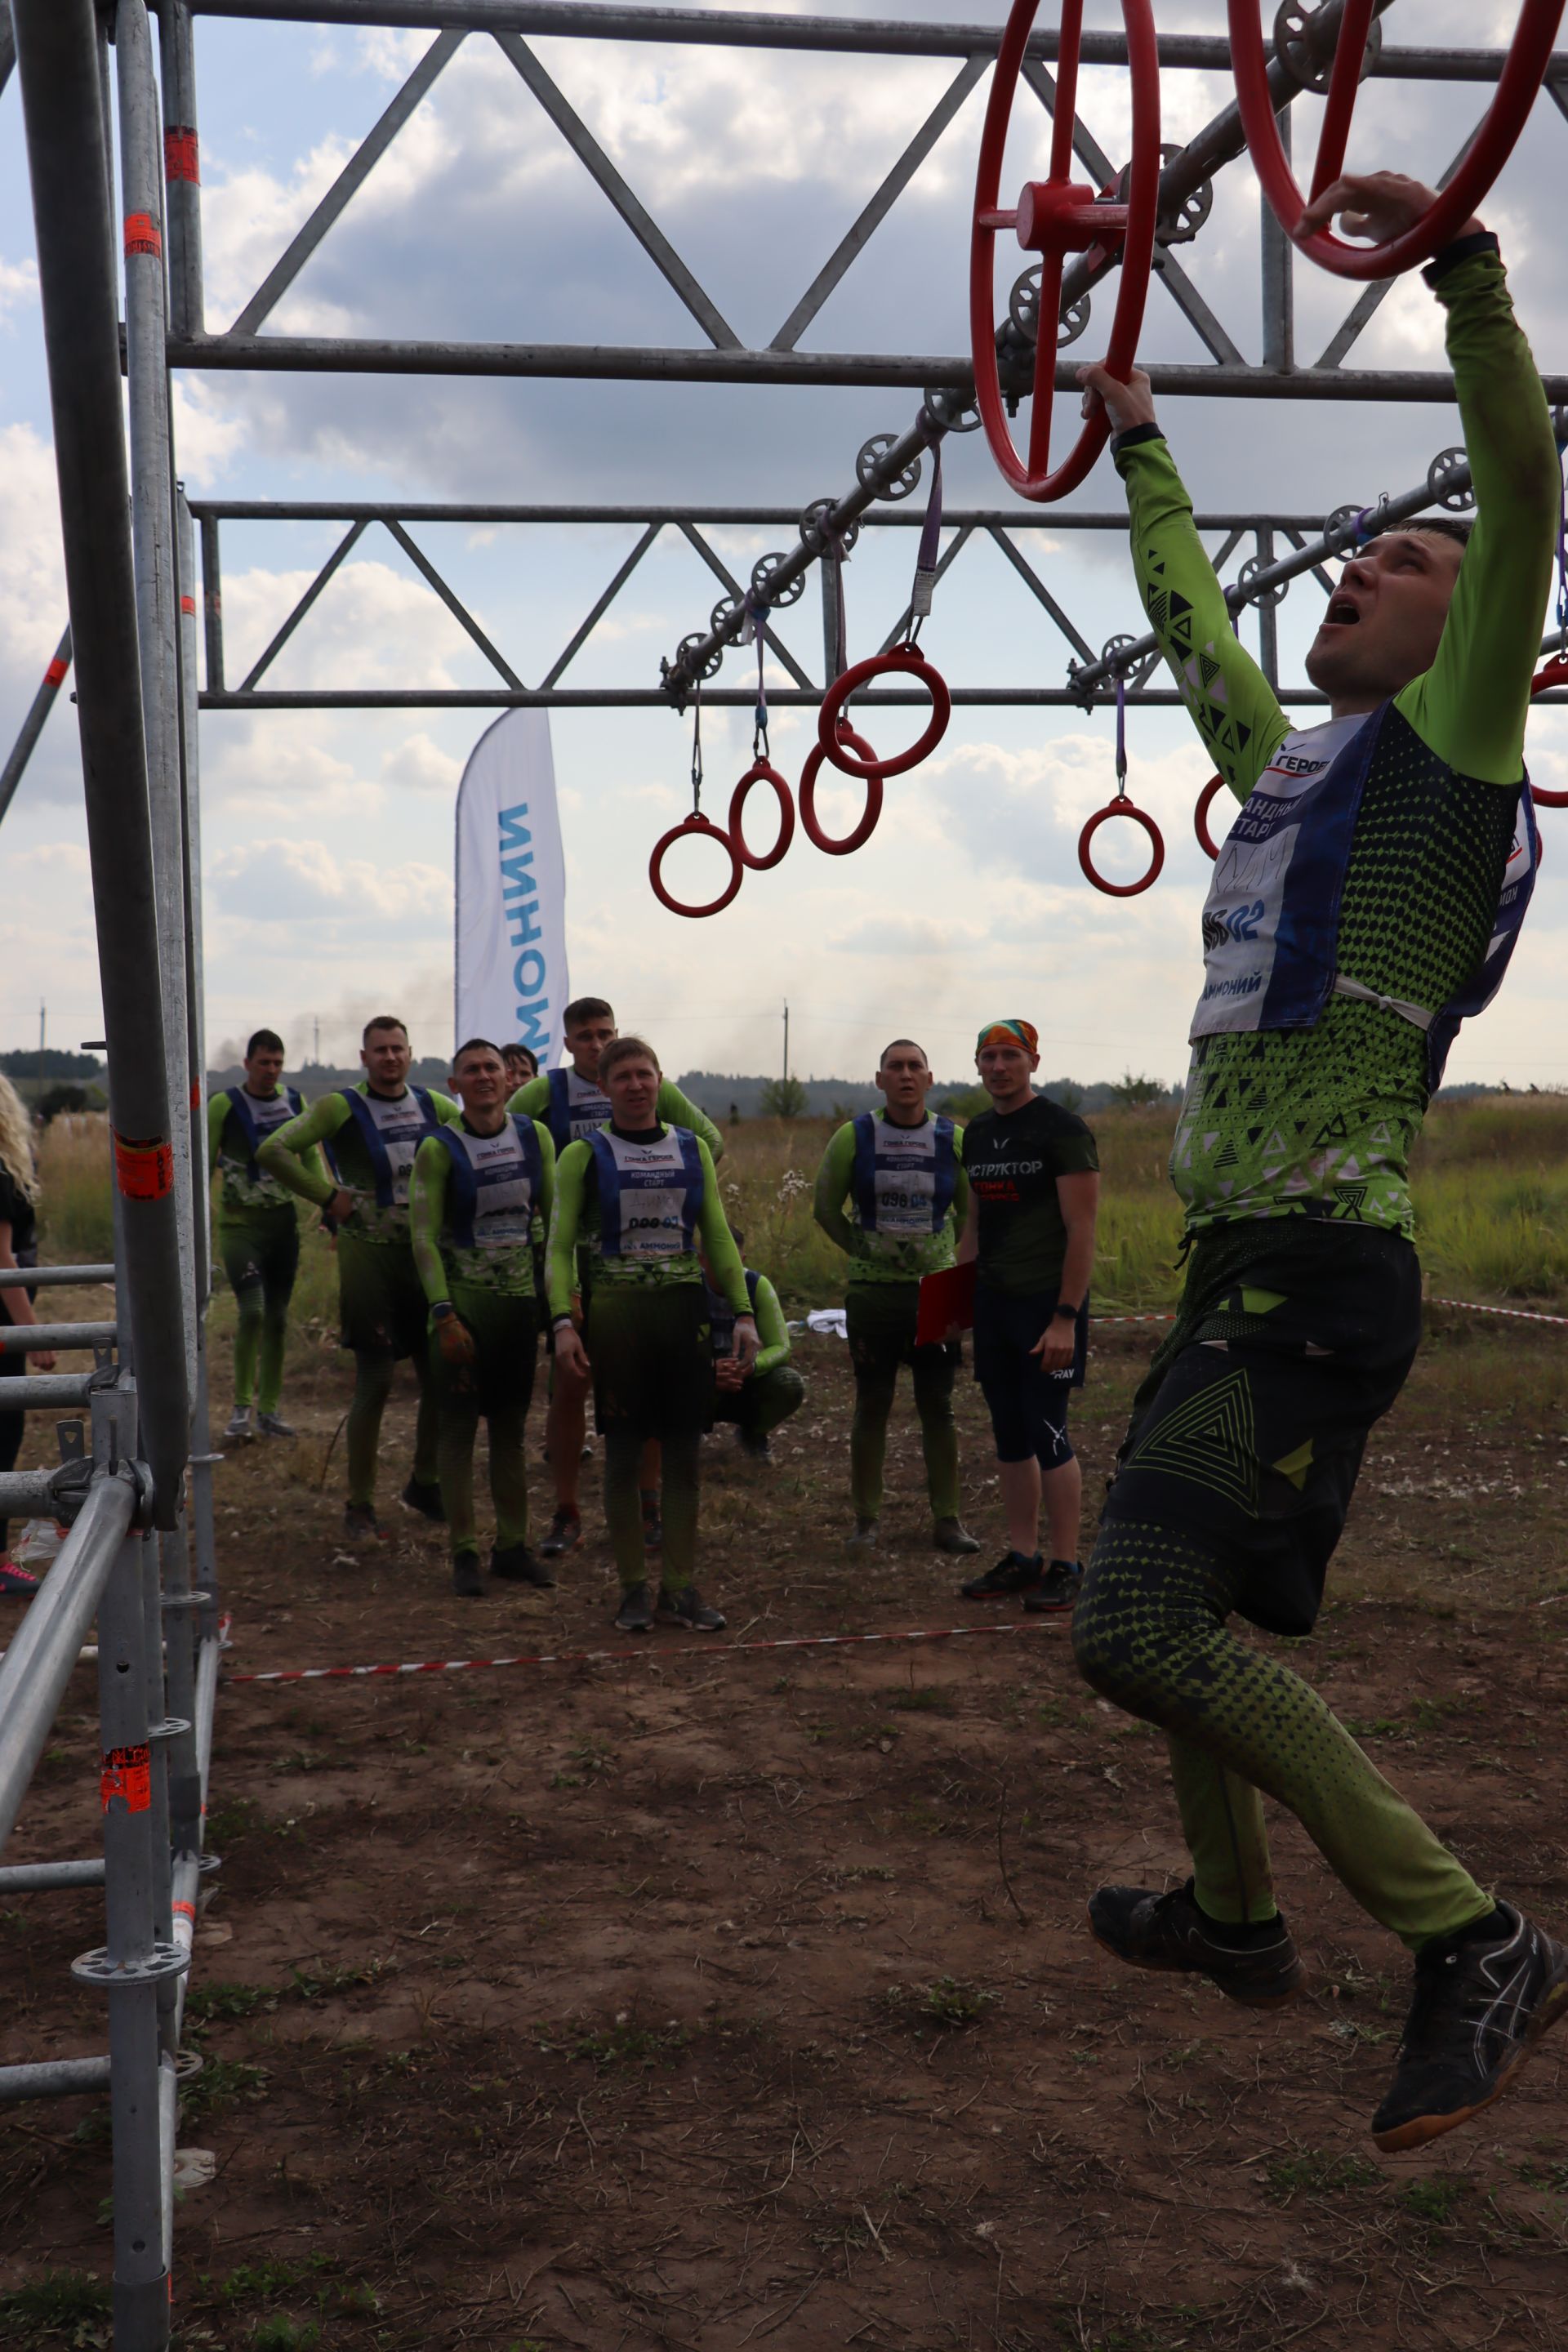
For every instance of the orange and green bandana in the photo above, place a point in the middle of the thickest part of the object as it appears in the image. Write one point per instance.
(1009, 1033)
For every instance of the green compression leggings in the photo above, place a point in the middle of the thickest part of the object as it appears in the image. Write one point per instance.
(1150, 1632)
(260, 1257)
(373, 1386)
(881, 1328)
(623, 1506)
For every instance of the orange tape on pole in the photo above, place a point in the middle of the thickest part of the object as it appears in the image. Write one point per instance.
(142, 234)
(144, 1172)
(128, 1773)
(56, 672)
(181, 154)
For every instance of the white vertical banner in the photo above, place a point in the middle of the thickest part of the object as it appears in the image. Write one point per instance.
(510, 891)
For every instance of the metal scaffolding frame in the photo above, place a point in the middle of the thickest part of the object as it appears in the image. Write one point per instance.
(135, 1477)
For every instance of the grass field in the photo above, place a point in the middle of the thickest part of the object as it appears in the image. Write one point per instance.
(1491, 1181)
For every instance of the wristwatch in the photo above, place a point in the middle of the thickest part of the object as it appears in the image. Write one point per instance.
(441, 1309)
(1062, 1308)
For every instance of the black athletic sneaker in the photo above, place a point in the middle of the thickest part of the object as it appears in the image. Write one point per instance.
(755, 1448)
(687, 1610)
(952, 1536)
(634, 1614)
(1479, 2010)
(652, 1524)
(360, 1524)
(1012, 1575)
(517, 1565)
(1169, 1932)
(1058, 1588)
(466, 1577)
(424, 1495)
(566, 1534)
(868, 1535)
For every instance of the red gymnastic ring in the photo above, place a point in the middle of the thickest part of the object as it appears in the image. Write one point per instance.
(1053, 218)
(761, 772)
(700, 825)
(808, 776)
(1206, 841)
(1524, 72)
(1551, 673)
(837, 744)
(1121, 806)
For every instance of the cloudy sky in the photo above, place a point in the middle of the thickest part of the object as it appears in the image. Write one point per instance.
(327, 837)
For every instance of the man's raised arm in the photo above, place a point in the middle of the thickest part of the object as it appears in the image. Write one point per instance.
(1231, 703)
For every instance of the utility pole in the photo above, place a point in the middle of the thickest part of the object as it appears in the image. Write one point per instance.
(786, 1042)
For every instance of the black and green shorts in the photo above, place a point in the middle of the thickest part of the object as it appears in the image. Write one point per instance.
(651, 1347)
(1293, 1337)
(260, 1251)
(506, 1344)
(382, 1306)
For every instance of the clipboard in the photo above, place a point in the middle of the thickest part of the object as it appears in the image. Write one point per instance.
(946, 1299)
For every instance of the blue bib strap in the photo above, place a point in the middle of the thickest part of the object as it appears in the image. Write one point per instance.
(365, 1119)
(462, 1184)
(869, 1131)
(945, 1172)
(863, 1177)
(607, 1170)
(558, 1116)
(239, 1109)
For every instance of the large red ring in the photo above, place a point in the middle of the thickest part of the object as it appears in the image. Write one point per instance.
(1206, 841)
(1524, 69)
(761, 772)
(1053, 218)
(1121, 806)
(700, 824)
(1551, 673)
(808, 776)
(904, 661)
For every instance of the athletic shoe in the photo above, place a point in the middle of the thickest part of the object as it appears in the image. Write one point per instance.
(16, 1583)
(868, 1535)
(238, 1423)
(424, 1495)
(1481, 2006)
(754, 1448)
(272, 1424)
(1058, 1588)
(360, 1524)
(566, 1535)
(1169, 1932)
(652, 1524)
(686, 1609)
(1012, 1575)
(952, 1535)
(465, 1577)
(517, 1565)
(634, 1614)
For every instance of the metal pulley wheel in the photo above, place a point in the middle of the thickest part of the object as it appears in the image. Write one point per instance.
(1456, 498)
(762, 571)
(814, 527)
(871, 455)
(1023, 309)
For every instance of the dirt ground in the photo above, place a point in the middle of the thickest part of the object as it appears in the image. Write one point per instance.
(703, 1999)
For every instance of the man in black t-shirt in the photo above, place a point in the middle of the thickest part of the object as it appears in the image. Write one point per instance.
(1033, 1189)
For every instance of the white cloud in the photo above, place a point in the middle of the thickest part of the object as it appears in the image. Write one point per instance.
(293, 881)
(18, 287)
(420, 765)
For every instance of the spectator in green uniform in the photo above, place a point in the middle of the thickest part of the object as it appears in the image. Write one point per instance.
(371, 1133)
(257, 1230)
(893, 1193)
(1366, 901)
(1034, 1192)
(756, 1397)
(477, 1186)
(571, 1104)
(639, 1200)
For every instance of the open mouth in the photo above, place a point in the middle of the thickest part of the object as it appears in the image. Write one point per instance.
(1342, 612)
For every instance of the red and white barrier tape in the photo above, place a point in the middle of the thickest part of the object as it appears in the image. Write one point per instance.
(1516, 1314)
(640, 1650)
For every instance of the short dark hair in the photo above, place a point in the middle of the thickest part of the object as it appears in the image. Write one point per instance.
(913, 1047)
(1454, 527)
(383, 1021)
(265, 1041)
(627, 1049)
(587, 1008)
(475, 1045)
(518, 1051)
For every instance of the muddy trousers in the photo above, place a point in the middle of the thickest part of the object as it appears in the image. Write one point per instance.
(624, 1509)
(1150, 1632)
(373, 1386)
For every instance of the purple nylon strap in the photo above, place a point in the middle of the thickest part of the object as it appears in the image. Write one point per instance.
(1563, 566)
